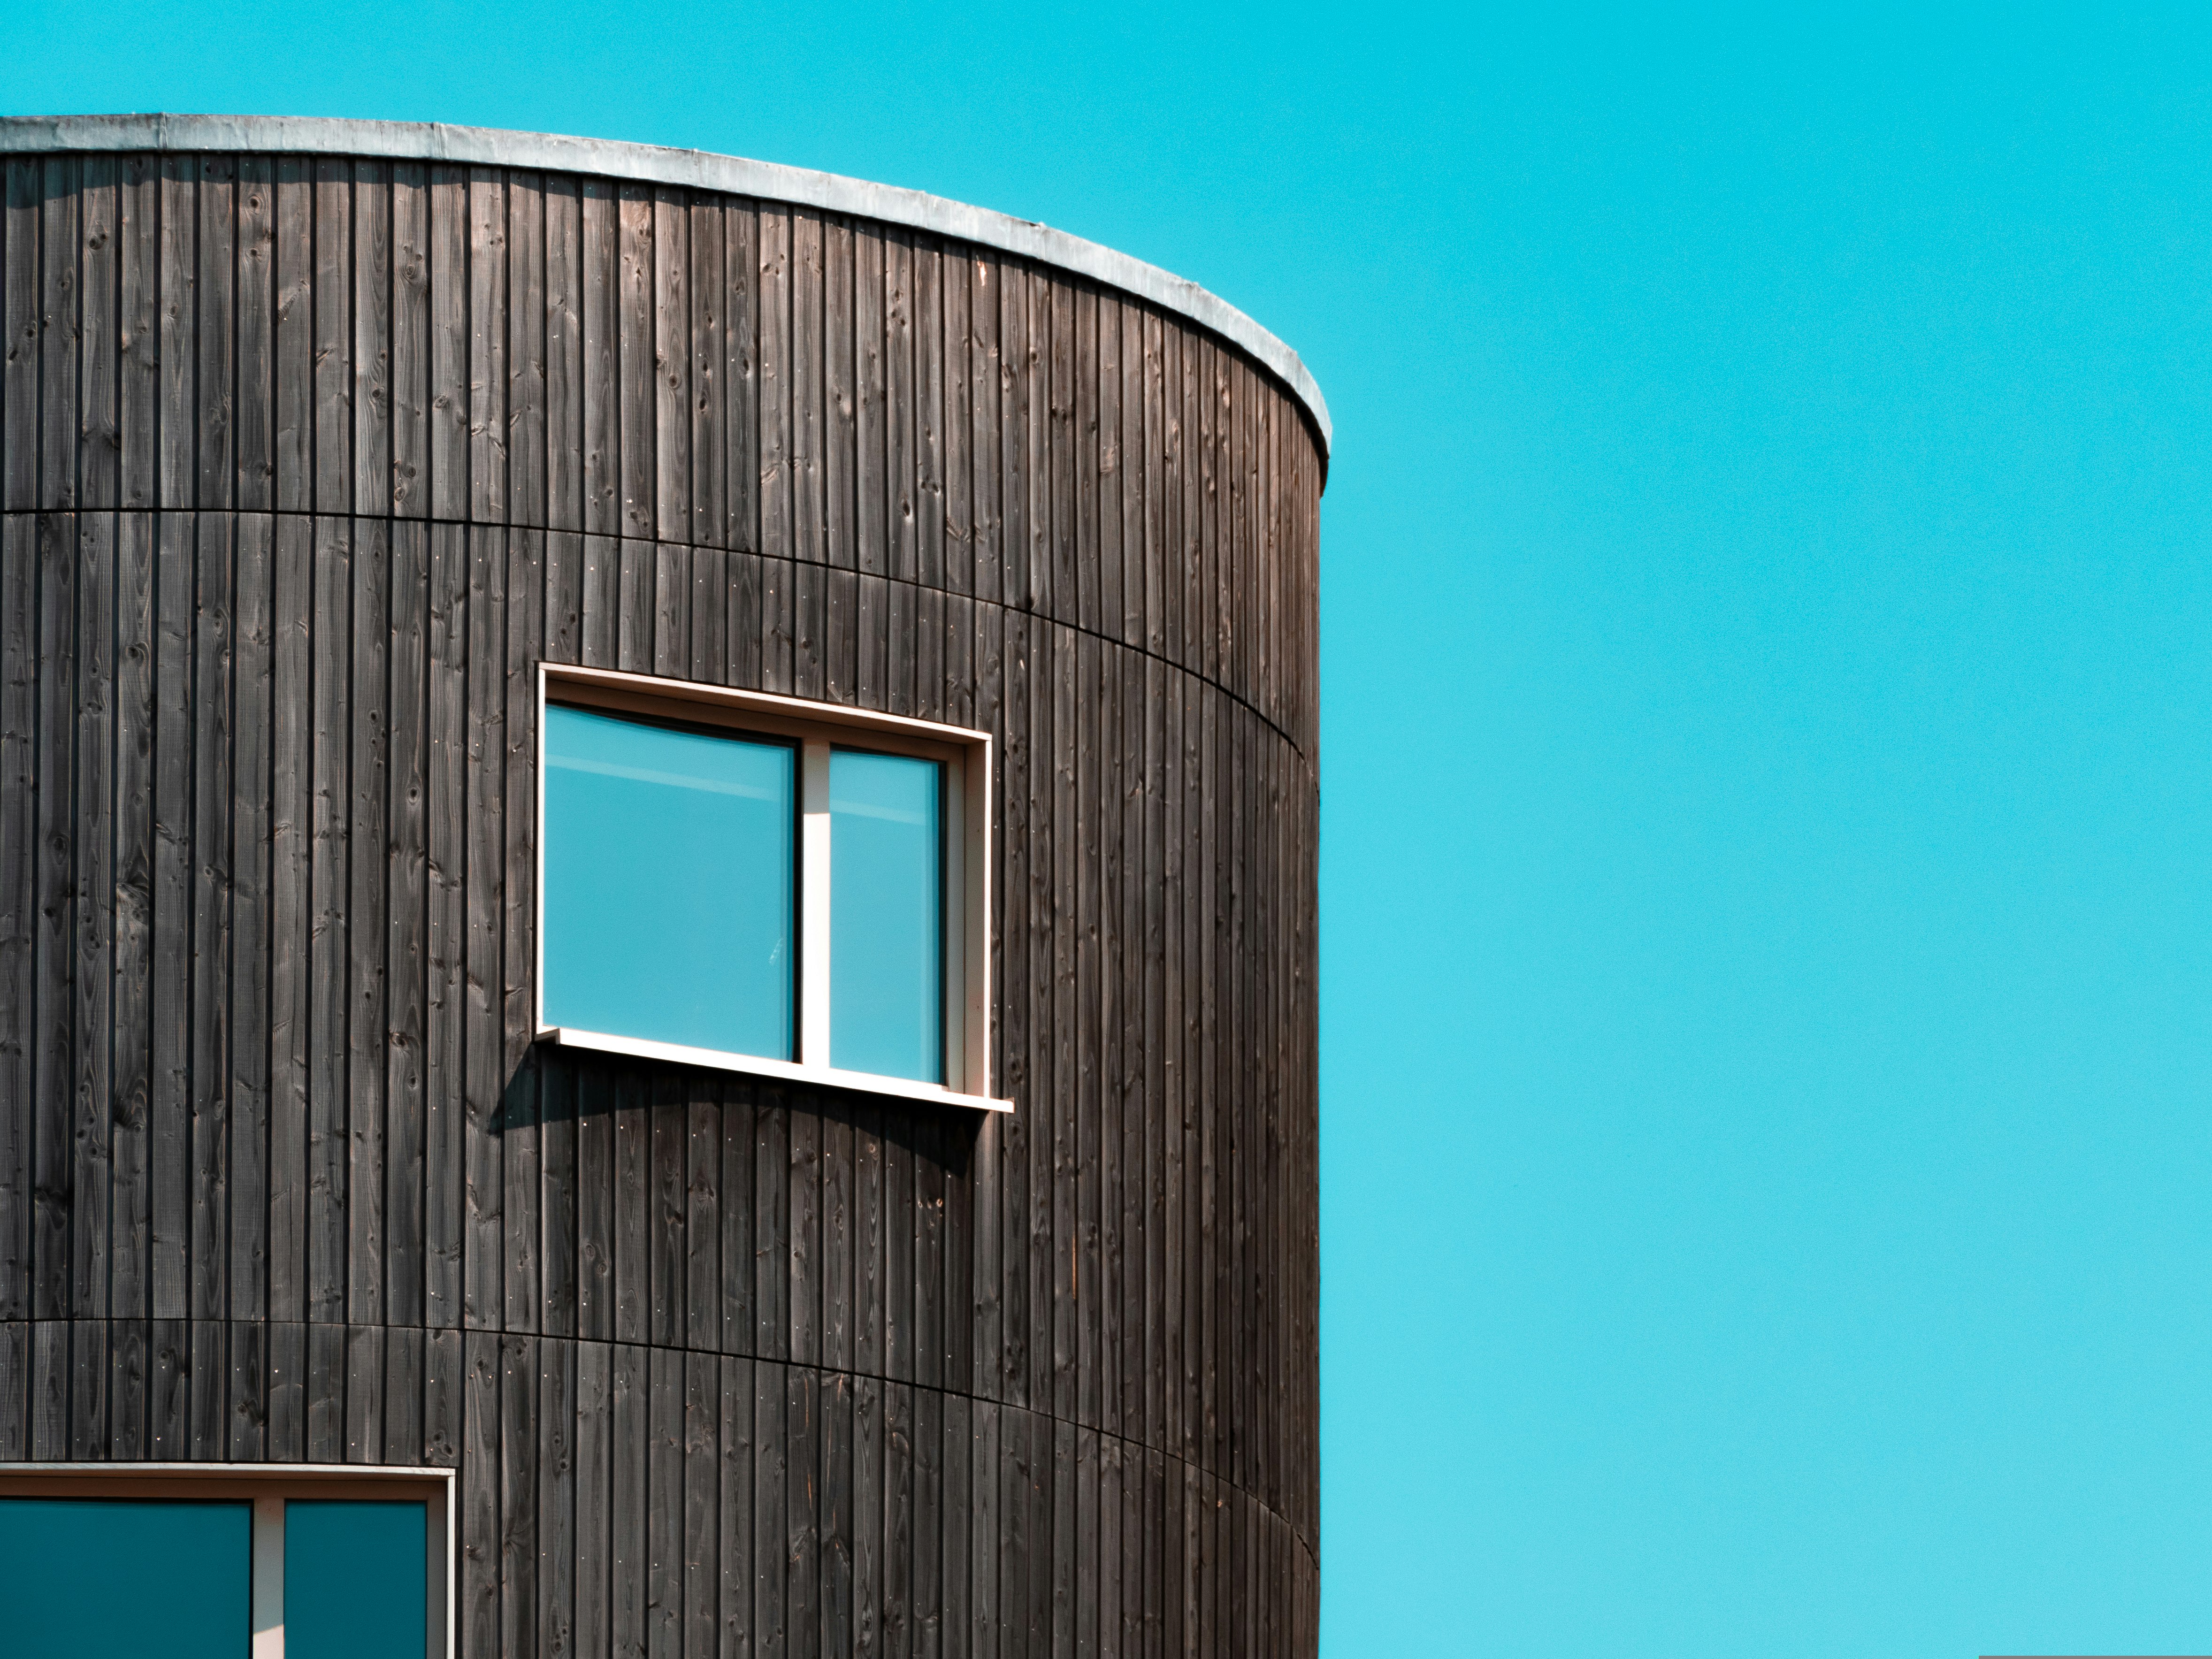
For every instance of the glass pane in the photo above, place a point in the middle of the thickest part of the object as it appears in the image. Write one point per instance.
(886, 939)
(355, 1584)
(189, 1569)
(668, 883)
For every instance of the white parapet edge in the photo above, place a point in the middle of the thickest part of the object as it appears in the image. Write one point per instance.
(415, 141)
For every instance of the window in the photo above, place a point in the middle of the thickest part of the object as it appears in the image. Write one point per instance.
(763, 884)
(223, 1562)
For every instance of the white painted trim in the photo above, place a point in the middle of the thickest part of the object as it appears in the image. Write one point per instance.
(814, 904)
(268, 1581)
(268, 1487)
(780, 1070)
(698, 169)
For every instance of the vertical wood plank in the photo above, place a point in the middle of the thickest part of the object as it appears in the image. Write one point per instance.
(487, 293)
(131, 1037)
(803, 1504)
(841, 1460)
(632, 1142)
(519, 1473)
(523, 1111)
(250, 866)
(908, 1593)
(99, 433)
(771, 1525)
(665, 1200)
(805, 1236)
(24, 296)
(700, 1236)
(60, 333)
(987, 1537)
(710, 354)
(930, 416)
(373, 354)
(733, 1571)
(414, 388)
(779, 496)
(406, 1027)
(365, 1373)
(900, 1227)
(315, 323)
(359, 1162)
(852, 1242)
(628, 1545)
(256, 301)
(636, 366)
(566, 382)
(450, 401)
(291, 276)
(737, 1195)
(771, 1226)
(527, 316)
(664, 1506)
(987, 393)
(450, 1100)
(138, 330)
(602, 282)
(176, 330)
(902, 466)
(852, 347)
(594, 1553)
(560, 1107)
(477, 1600)
(171, 1091)
(701, 1510)
(216, 333)
(19, 864)
(743, 317)
(670, 276)
(292, 814)
(209, 1258)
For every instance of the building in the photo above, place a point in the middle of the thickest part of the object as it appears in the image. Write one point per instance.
(657, 913)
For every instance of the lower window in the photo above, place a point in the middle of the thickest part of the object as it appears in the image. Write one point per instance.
(221, 1563)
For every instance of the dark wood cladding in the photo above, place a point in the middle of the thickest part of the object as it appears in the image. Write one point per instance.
(306, 463)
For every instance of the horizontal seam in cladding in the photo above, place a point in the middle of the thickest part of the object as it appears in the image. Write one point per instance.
(1229, 692)
(706, 1353)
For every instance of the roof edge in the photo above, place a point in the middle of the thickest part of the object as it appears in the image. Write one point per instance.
(700, 169)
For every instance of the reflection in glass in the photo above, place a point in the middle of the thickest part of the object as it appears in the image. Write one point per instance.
(355, 1580)
(105, 1578)
(668, 883)
(886, 941)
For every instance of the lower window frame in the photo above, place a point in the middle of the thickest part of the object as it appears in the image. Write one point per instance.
(268, 1487)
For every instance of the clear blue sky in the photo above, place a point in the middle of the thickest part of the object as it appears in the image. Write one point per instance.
(1768, 861)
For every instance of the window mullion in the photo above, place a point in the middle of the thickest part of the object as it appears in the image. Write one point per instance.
(814, 904)
(268, 1578)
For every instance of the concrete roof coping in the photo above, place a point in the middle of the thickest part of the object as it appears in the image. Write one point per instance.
(699, 169)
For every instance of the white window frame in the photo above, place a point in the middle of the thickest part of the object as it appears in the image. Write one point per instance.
(268, 1487)
(815, 728)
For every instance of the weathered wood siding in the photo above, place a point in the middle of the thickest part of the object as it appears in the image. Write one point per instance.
(305, 464)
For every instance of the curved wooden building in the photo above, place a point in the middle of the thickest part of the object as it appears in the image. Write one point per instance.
(331, 452)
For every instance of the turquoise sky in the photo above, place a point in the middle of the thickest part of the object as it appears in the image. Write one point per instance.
(1768, 938)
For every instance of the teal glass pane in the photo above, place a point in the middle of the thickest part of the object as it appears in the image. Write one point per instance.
(103, 1579)
(668, 883)
(355, 1584)
(886, 916)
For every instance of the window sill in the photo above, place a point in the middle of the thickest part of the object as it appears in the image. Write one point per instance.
(780, 1070)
